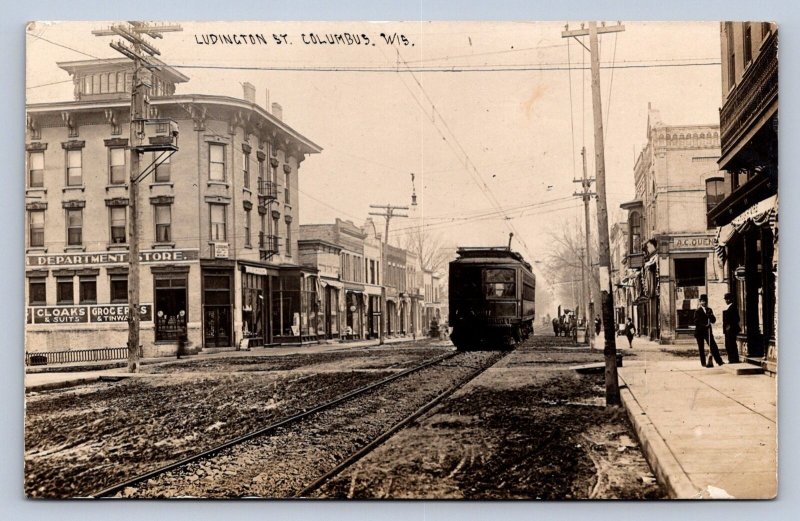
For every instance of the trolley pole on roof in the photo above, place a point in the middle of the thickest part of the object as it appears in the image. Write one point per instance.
(610, 349)
(139, 51)
(387, 214)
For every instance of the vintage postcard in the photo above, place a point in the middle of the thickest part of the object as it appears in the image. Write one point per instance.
(426, 260)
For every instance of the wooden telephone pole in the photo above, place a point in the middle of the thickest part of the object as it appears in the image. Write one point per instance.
(387, 214)
(139, 51)
(604, 250)
(586, 262)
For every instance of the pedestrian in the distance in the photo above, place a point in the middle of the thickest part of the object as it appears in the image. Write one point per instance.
(703, 318)
(597, 324)
(629, 332)
(730, 327)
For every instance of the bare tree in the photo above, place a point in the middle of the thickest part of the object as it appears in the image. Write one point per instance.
(565, 262)
(433, 254)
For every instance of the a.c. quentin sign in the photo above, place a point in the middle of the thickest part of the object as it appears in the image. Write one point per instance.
(89, 259)
(702, 242)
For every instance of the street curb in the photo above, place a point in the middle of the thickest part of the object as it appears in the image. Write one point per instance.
(61, 385)
(663, 464)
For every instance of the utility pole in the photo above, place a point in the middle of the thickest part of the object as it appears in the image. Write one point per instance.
(387, 214)
(607, 296)
(139, 51)
(586, 195)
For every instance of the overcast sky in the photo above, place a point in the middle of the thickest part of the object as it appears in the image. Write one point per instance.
(516, 132)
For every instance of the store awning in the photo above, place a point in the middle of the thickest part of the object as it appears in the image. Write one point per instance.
(762, 213)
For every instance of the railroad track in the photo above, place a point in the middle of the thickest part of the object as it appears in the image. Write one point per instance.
(173, 471)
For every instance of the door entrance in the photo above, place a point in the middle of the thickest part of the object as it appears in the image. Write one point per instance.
(217, 319)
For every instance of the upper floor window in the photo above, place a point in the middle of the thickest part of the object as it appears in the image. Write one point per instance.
(731, 55)
(715, 193)
(74, 167)
(765, 29)
(36, 228)
(216, 162)
(163, 217)
(218, 228)
(635, 224)
(75, 227)
(87, 290)
(36, 169)
(116, 168)
(247, 225)
(162, 171)
(64, 291)
(748, 43)
(118, 288)
(37, 291)
(118, 218)
(287, 190)
(246, 169)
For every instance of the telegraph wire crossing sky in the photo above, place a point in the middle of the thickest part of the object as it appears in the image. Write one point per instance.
(490, 117)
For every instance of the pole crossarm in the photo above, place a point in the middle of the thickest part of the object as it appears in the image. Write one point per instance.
(567, 33)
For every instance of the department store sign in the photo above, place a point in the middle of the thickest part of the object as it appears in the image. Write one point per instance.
(83, 314)
(691, 243)
(90, 259)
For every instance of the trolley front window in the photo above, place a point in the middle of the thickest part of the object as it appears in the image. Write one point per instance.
(499, 283)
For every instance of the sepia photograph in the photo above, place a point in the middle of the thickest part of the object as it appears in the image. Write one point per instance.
(429, 260)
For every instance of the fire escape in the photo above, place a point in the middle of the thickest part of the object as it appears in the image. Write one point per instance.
(268, 245)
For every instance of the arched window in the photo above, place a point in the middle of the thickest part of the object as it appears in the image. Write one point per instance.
(635, 232)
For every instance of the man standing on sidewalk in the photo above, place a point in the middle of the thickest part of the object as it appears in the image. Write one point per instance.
(703, 318)
(730, 327)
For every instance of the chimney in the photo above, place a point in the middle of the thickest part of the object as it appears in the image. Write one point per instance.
(249, 92)
(277, 111)
(266, 99)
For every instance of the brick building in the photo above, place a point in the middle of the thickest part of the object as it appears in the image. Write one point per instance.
(670, 240)
(219, 219)
(747, 216)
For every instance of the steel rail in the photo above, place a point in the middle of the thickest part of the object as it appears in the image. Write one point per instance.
(319, 482)
(114, 489)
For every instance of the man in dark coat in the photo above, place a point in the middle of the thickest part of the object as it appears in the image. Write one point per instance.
(730, 327)
(597, 325)
(703, 318)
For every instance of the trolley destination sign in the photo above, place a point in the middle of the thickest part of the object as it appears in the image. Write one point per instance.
(83, 314)
(89, 259)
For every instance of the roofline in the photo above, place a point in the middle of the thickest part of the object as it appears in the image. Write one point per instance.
(73, 64)
(177, 99)
(320, 241)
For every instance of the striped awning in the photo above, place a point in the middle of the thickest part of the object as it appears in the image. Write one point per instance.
(762, 213)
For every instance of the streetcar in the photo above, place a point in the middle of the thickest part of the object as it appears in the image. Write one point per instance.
(492, 293)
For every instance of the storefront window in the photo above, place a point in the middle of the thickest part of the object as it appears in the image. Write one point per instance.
(171, 309)
(286, 306)
(217, 309)
(690, 283)
(253, 309)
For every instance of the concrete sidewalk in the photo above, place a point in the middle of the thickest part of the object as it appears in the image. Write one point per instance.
(42, 378)
(706, 433)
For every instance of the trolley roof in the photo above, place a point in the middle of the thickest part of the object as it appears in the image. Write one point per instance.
(490, 252)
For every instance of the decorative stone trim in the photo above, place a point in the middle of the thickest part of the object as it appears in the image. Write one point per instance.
(287, 169)
(116, 142)
(288, 219)
(246, 148)
(259, 154)
(276, 214)
(88, 272)
(218, 199)
(162, 199)
(73, 144)
(262, 210)
(37, 274)
(117, 270)
(63, 273)
(117, 201)
(36, 205)
(273, 162)
(247, 205)
(73, 205)
(36, 146)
